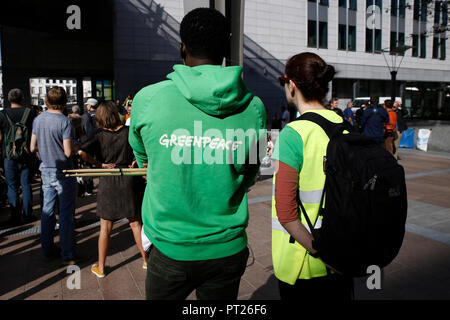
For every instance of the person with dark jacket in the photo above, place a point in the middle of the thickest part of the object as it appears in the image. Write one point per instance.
(88, 120)
(89, 129)
(334, 105)
(401, 125)
(358, 117)
(373, 121)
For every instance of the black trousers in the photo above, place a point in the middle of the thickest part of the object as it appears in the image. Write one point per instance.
(216, 279)
(330, 287)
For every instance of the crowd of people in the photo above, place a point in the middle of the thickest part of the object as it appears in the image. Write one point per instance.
(383, 123)
(193, 216)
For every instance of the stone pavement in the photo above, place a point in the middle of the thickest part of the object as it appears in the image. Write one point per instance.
(420, 271)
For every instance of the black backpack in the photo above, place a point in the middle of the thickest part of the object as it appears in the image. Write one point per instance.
(16, 138)
(365, 207)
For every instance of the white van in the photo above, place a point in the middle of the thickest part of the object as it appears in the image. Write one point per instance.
(361, 100)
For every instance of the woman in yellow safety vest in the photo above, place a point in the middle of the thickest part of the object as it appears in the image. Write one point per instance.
(299, 154)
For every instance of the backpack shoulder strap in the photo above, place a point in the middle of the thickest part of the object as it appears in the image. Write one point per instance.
(25, 116)
(22, 121)
(331, 129)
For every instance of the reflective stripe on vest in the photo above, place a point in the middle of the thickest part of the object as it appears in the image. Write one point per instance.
(291, 260)
(276, 225)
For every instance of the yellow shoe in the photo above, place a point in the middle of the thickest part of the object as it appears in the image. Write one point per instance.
(144, 265)
(95, 270)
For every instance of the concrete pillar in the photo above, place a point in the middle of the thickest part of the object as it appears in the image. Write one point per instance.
(401, 94)
(237, 33)
(355, 89)
(94, 87)
(441, 99)
(80, 100)
(330, 92)
(15, 79)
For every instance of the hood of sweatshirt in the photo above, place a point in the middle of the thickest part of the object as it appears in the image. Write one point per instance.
(213, 89)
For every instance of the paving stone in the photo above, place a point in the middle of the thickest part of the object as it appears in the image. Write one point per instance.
(257, 275)
(245, 288)
(83, 295)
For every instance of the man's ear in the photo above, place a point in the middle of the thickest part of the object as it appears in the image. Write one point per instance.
(183, 51)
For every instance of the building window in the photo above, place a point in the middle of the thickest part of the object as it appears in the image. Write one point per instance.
(342, 38)
(351, 4)
(402, 8)
(444, 14)
(397, 40)
(312, 33)
(440, 27)
(394, 8)
(416, 8)
(393, 40)
(323, 35)
(317, 24)
(401, 39)
(420, 19)
(346, 26)
(369, 40)
(443, 53)
(352, 38)
(436, 48)
(420, 10)
(373, 39)
(423, 11)
(398, 7)
(415, 44)
(378, 40)
(437, 12)
(397, 24)
(423, 46)
(343, 44)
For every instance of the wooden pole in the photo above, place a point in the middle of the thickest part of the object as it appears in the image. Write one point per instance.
(105, 172)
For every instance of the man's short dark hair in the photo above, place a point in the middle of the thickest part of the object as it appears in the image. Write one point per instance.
(374, 100)
(388, 103)
(16, 96)
(205, 34)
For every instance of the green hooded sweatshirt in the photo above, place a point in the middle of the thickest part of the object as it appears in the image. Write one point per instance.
(198, 132)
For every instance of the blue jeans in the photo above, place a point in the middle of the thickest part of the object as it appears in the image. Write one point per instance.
(56, 185)
(16, 172)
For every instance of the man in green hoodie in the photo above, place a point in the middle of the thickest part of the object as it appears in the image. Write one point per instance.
(200, 134)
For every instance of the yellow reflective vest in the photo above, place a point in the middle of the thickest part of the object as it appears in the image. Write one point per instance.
(291, 261)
